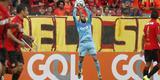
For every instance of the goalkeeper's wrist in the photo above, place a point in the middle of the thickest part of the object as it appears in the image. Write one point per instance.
(75, 6)
(84, 4)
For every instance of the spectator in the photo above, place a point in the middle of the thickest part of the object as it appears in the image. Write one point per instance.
(72, 2)
(42, 11)
(124, 1)
(35, 4)
(106, 11)
(135, 4)
(98, 3)
(52, 3)
(15, 2)
(109, 2)
(87, 5)
(99, 12)
(102, 2)
(91, 3)
(146, 5)
(27, 3)
(157, 3)
(49, 11)
(68, 7)
(94, 10)
(112, 12)
(60, 11)
(119, 12)
(126, 8)
(115, 4)
(135, 12)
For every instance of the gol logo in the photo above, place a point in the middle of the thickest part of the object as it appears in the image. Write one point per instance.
(47, 73)
(133, 70)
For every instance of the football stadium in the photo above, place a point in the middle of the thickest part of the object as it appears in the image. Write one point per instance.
(79, 39)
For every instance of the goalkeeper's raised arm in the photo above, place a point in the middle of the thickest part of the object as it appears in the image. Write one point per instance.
(75, 13)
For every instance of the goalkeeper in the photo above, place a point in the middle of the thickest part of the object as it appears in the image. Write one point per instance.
(86, 43)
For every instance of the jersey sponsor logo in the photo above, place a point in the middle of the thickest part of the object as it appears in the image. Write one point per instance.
(21, 30)
(150, 23)
(84, 28)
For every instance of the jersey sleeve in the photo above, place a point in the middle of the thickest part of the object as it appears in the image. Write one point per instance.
(74, 16)
(4, 17)
(4, 21)
(13, 29)
(89, 13)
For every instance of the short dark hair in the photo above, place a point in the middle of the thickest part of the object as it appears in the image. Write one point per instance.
(154, 14)
(60, 1)
(20, 7)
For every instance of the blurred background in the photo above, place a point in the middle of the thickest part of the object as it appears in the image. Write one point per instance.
(98, 7)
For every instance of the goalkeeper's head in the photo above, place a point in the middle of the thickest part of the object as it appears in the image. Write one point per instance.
(154, 14)
(82, 17)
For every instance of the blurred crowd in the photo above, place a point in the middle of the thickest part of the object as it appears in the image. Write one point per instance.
(98, 7)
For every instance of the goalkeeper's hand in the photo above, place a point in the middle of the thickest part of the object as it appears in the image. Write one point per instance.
(80, 3)
(75, 5)
(83, 3)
